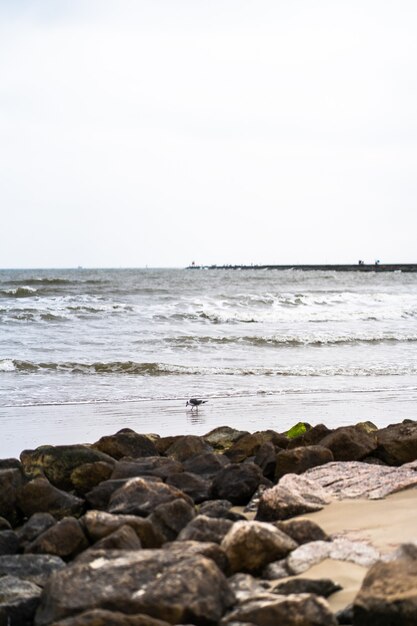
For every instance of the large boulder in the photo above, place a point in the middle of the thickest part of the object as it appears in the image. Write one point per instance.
(223, 437)
(18, 601)
(39, 496)
(265, 457)
(196, 487)
(388, 596)
(99, 496)
(237, 482)
(298, 460)
(101, 617)
(141, 497)
(397, 444)
(203, 528)
(170, 518)
(186, 447)
(159, 583)
(124, 538)
(11, 480)
(126, 443)
(207, 549)
(87, 476)
(57, 463)
(250, 546)
(350, 443)
(206, 464)
(100, 524)
(294, 495)
(65, 539)
(248, 445)
(35, 568)
(302, 530)
(310, 437)
(33, 527)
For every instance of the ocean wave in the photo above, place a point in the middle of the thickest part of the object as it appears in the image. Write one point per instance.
(18, 292)
(166, 369)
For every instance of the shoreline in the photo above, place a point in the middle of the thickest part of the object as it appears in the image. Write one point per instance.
(343, 267)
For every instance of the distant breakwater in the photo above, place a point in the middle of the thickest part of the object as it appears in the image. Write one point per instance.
(357, 267)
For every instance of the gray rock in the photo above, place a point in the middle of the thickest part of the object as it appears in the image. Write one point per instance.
(65, 539)
(9, 542)
(388, 596)
(158, 583)
(237, 482)
(294, 495)
(35, 525)
(203, 528)
(99, 524)
(194, 486)
(170, 518)
(297, 610)
(276, 570)
(39, 496)
(98, 498)
(219, 508)
(141, 497)
(36, 568)
(18, 601)
(206, 464)
(246, 587)
(265, 457)
(307, 555)
(250, 546)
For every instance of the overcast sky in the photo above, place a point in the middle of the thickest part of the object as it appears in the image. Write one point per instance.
(160, 132)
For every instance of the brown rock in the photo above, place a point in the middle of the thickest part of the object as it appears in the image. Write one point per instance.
(99, 496)
(126, 443)
(203, 528)
(350, 443)
(124, 538)
(250, 546)
(101, 617)
(11, 480)
(298, 460)
(35, 525)
(158, 583)
(248, 445)
(397, 444)
(170, 518)
(207, 549)
(302, 530)
(194, 486)
(85, 477)
(99, 524)
(311, 437)
(223, 437)
(141, 497)
(206, 464)
(57, 463)
(186, 447)
(265, 457)
(65, 539)
(388, 596)
(39, 496)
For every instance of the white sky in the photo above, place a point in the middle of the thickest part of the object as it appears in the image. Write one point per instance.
(158, 132)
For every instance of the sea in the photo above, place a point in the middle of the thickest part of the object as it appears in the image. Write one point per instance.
(86, 352)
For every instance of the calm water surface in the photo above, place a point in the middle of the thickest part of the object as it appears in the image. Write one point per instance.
(86, 352)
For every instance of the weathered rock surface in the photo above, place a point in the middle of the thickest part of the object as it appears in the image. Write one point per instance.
(206, 464)
(158, 583)
(35, 525)
(99, 496)
(397, 444)
(302, 530)
(99, 524)
(126, 443)
(250, 546)
(311, 437)
(307, 555)
(203, 528)
(18, 601)
(219, 508)
(297, 610)
(265, 457)
(237, 482)
(9, 542)
(350, 443)
(362, 480)
(248, 445)
(246, 587)
(321, 587)
(223, 437)
(276, 570)
(207, 549)
(141, 497)
(294, 495)
(39, 496)
(194, 486)
(65, 539)
(170, 518)
(85, 477)
(35, 568)
(298, 460)
(158, 466)
(388, 596)
(11, 480)
(186, 447)
(57, 463)
(124, 538)
(101, 617)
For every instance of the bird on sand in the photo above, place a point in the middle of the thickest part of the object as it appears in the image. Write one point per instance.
(195, 403)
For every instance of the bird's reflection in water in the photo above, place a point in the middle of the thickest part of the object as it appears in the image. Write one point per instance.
(195, 418)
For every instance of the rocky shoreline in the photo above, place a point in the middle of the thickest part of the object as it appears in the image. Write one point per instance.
(137, 529)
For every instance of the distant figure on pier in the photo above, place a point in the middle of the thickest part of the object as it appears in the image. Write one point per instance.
(377, 262)
(361, 262)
